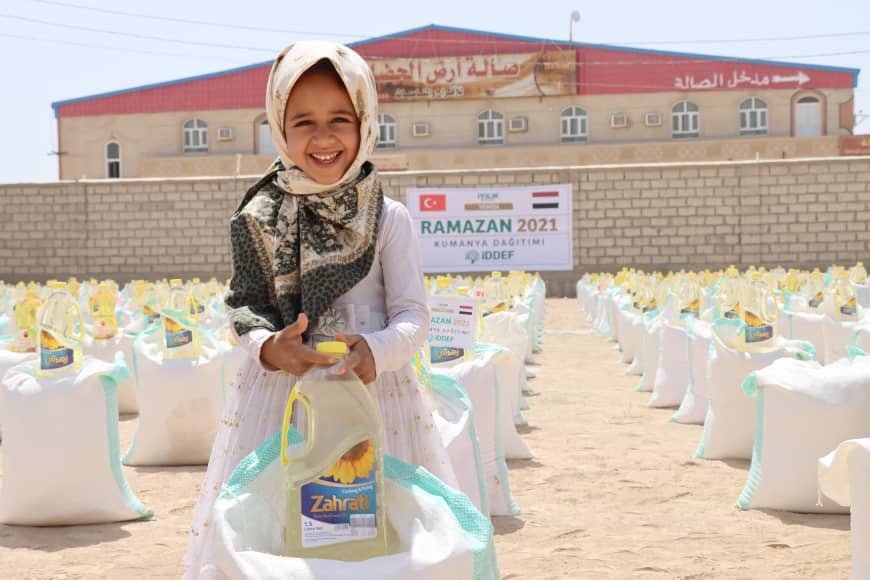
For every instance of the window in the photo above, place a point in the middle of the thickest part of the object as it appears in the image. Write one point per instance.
(753, 117)
(195, 136)
(420, 129)
(386, 132)
(518, 125)
(619, 120)
(575, 125)
(113, 160)
(686, 120)
(652, 119)
(490, 128)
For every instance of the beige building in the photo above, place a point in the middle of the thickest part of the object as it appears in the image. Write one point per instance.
(470, 99)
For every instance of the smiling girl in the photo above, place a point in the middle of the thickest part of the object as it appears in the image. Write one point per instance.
(319, 252)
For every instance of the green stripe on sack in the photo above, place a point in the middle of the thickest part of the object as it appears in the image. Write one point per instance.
(110, 390)
(744, 502)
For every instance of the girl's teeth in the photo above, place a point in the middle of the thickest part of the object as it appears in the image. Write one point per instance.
(325, 157)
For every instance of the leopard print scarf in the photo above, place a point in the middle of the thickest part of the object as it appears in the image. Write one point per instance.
(294, 254)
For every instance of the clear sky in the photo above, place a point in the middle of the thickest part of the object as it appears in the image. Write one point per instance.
(56, 50)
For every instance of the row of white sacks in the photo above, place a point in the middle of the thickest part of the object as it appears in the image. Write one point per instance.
(62, 434)
(801, 412)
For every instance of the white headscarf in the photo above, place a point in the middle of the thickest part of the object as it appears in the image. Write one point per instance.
(357, 77)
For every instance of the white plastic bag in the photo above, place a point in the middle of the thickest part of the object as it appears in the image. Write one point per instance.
(479, 381)
(672, 372)
(844, 476)
(454, 418)
(729, 427)
(837, 336)
(61, 462)
(105, 350)
(803, 410)
(630, 335)
(693, 407)
(652, 338)
(180, 402)
(439, 534)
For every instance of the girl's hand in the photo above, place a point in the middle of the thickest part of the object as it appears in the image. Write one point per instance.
(284, 350)
(360, 359)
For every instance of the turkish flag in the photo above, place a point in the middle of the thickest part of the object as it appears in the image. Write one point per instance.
(433, 202)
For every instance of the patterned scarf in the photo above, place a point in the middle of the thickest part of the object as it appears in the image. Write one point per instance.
(298, 244)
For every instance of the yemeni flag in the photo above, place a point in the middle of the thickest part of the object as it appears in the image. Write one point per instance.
(466, 310)
(545, 200)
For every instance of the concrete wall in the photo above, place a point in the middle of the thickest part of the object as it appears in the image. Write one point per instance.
(796, 212)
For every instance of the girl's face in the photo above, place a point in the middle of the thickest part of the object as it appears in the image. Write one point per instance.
(320, 127)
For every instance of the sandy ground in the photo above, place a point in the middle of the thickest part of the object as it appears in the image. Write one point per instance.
(612, 493)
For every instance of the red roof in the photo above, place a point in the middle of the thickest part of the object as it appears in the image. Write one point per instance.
(602, 69)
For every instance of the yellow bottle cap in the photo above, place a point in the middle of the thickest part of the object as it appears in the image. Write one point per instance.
(175, 282)
(495, 274)
(332, 347)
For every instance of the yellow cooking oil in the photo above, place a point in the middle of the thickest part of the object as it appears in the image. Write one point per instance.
(335, 477)
(25, 315)
(61, 334)
(728, 294)
(180, 333)
(759, 312)
(102, 304)
(844, 297)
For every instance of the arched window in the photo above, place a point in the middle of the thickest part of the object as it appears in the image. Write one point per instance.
(753, 117)
(575, 125)
(113, 160)
(195, 136)
(386, 132)
(686, 120)
(490, 128)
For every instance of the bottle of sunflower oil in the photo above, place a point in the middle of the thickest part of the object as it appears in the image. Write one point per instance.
(181, 336)
(728, 294)
(759, 312)
(495, 294)
(858, 274)
(198, 300)
(844, 298)
(148, 301)
(101, 304)
(61, 334)
(335, 477)
(689, 292)
(814, 289)
(25, 314)
(443, 286)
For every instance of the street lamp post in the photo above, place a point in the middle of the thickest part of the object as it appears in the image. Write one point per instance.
(575, 17)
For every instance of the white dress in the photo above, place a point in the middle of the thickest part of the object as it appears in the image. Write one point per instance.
(389, 309)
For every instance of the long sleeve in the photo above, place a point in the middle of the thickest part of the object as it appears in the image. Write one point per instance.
(252, 343)
(251, 299)
(406, 302)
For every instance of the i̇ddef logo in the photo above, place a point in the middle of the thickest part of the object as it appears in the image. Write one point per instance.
(433, 202)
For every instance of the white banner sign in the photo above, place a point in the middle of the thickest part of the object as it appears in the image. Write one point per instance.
(452, 328)
(498, 228)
